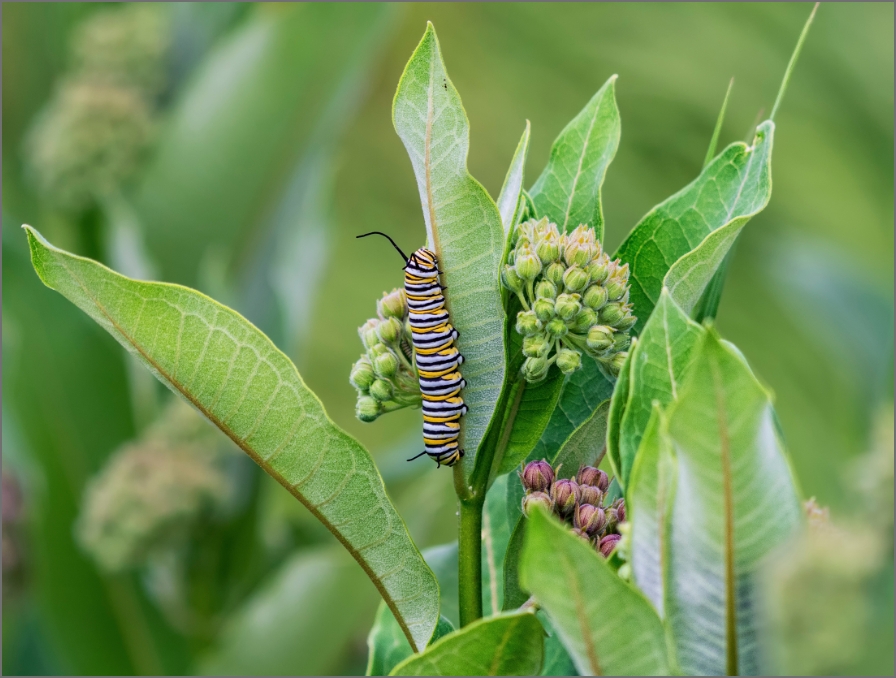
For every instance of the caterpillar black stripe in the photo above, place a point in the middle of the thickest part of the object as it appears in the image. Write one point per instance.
(436, 357)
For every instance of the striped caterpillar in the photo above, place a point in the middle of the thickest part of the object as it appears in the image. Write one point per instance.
(435, 356)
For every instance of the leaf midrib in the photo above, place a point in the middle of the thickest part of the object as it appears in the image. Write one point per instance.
(581, 614)
(249, 450)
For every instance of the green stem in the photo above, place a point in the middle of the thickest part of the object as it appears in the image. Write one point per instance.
(469, 567)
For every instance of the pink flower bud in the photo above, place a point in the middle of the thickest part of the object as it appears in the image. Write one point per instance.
(538, 476)
(608, 543)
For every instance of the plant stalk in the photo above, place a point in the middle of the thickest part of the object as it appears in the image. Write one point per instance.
(469, 568)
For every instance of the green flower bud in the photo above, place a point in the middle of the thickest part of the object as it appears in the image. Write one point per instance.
(584, 320)
(568, 306)
(511, 280)
(546, 290)
(599, 270)
(381, 390)
(393, 305)
(536, 346)
(544, 309)
(565, 494)
(595, 297)
(376, 350)
(600, 338)
(616, 287)
(548, 250)
(575, 279)
(367, 408)
(537, 476)
(368, 334)
(537, 499)
(568, 360)
(554, 273)
(386, 365)
(628, 321)
(527, 263)
(389, 330)
(362, 374)
(612, 313)
(556, 328)
(621, 341)
(527, 323)
(616, 362)
(535, 369)
(579, 246)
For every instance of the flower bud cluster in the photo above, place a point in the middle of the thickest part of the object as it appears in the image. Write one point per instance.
(385, 376)
(575, 299)
(577, 501)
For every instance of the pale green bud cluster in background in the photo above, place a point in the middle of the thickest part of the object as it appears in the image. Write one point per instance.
(94, 132)
(575, 299)
(156, 491)
(385, 376)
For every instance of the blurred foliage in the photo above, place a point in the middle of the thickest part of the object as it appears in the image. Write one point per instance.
(273, 147)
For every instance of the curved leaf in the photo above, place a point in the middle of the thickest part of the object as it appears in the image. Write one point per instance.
(510, 197)
(732, 188)
(462, 224)
(506, 645)
(585, 446)
(664, 352)
(568, 191)
(735, 503)
(618, 403)
(606, 625)
(235, 376)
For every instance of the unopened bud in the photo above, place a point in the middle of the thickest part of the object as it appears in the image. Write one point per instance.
(607, 544)
(393, 305)
(511, 280)
(584, 320)
(527, 323)
(565, 494)
(527, 263)
(620, 511)
(535, 369)
(590, 495)
(628, 321)
(589, 518)
(544, 309)
(367, 408)
(588, 475)
(386, 365)
(612, 313)
(599, 270)
(621, 341)
(546, 290)
(536, 346)
(548, 249)
(362, 374)
(568, 360)
(616, 362)
(389, 330)
(575, 279)
(615, 287)
(581, 534)
(556, 328)
(368, 334)
(381, 390)
(538, 476)
(579, 246)
(595, 297)
(537, 499)
(554, 273)
(600, 338)
(567, 306)
(377, 350)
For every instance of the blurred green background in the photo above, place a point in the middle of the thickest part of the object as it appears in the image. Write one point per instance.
(248, 145)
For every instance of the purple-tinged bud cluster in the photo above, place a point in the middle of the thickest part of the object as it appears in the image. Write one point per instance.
(578, 501)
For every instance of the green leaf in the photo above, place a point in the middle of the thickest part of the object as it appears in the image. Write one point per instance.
(618, 403)
(463, 227)
(506, 645)
(606, 625)
(649, 506)
(495, 537)
(735, 503)
(237, 378)
(301, 621)
(510, 199)
(585, 445)
(557, 661)
(664, 352)
(514, 595)
(732, 188)
(568, 191)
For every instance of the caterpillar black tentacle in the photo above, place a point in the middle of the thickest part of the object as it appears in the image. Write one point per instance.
(436, 357)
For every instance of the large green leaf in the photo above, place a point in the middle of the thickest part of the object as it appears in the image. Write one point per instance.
(510, 197)
(506, 645)
(648, 504)
(463, 226)
(585, 445)
(237, 378)
(664, 352)
(618, 402)
(735, 502)
(606, 625)
(568, 191)
(731, 189)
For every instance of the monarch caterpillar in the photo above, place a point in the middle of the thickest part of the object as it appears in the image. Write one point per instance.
(435, 355)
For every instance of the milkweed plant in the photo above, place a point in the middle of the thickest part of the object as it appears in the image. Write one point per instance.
(622, 482)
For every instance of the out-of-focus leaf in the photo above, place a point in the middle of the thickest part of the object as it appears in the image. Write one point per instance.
(511, 192)
(463, 227)
(731, 189)
(735, 502)
(506, 645)
(648, 505)
(568, 191)
(236, 377)
(514, 595)
(606, 625)
(664, 352)
(557, 661)
(299, 622)
(495, 537)
(238, 125)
